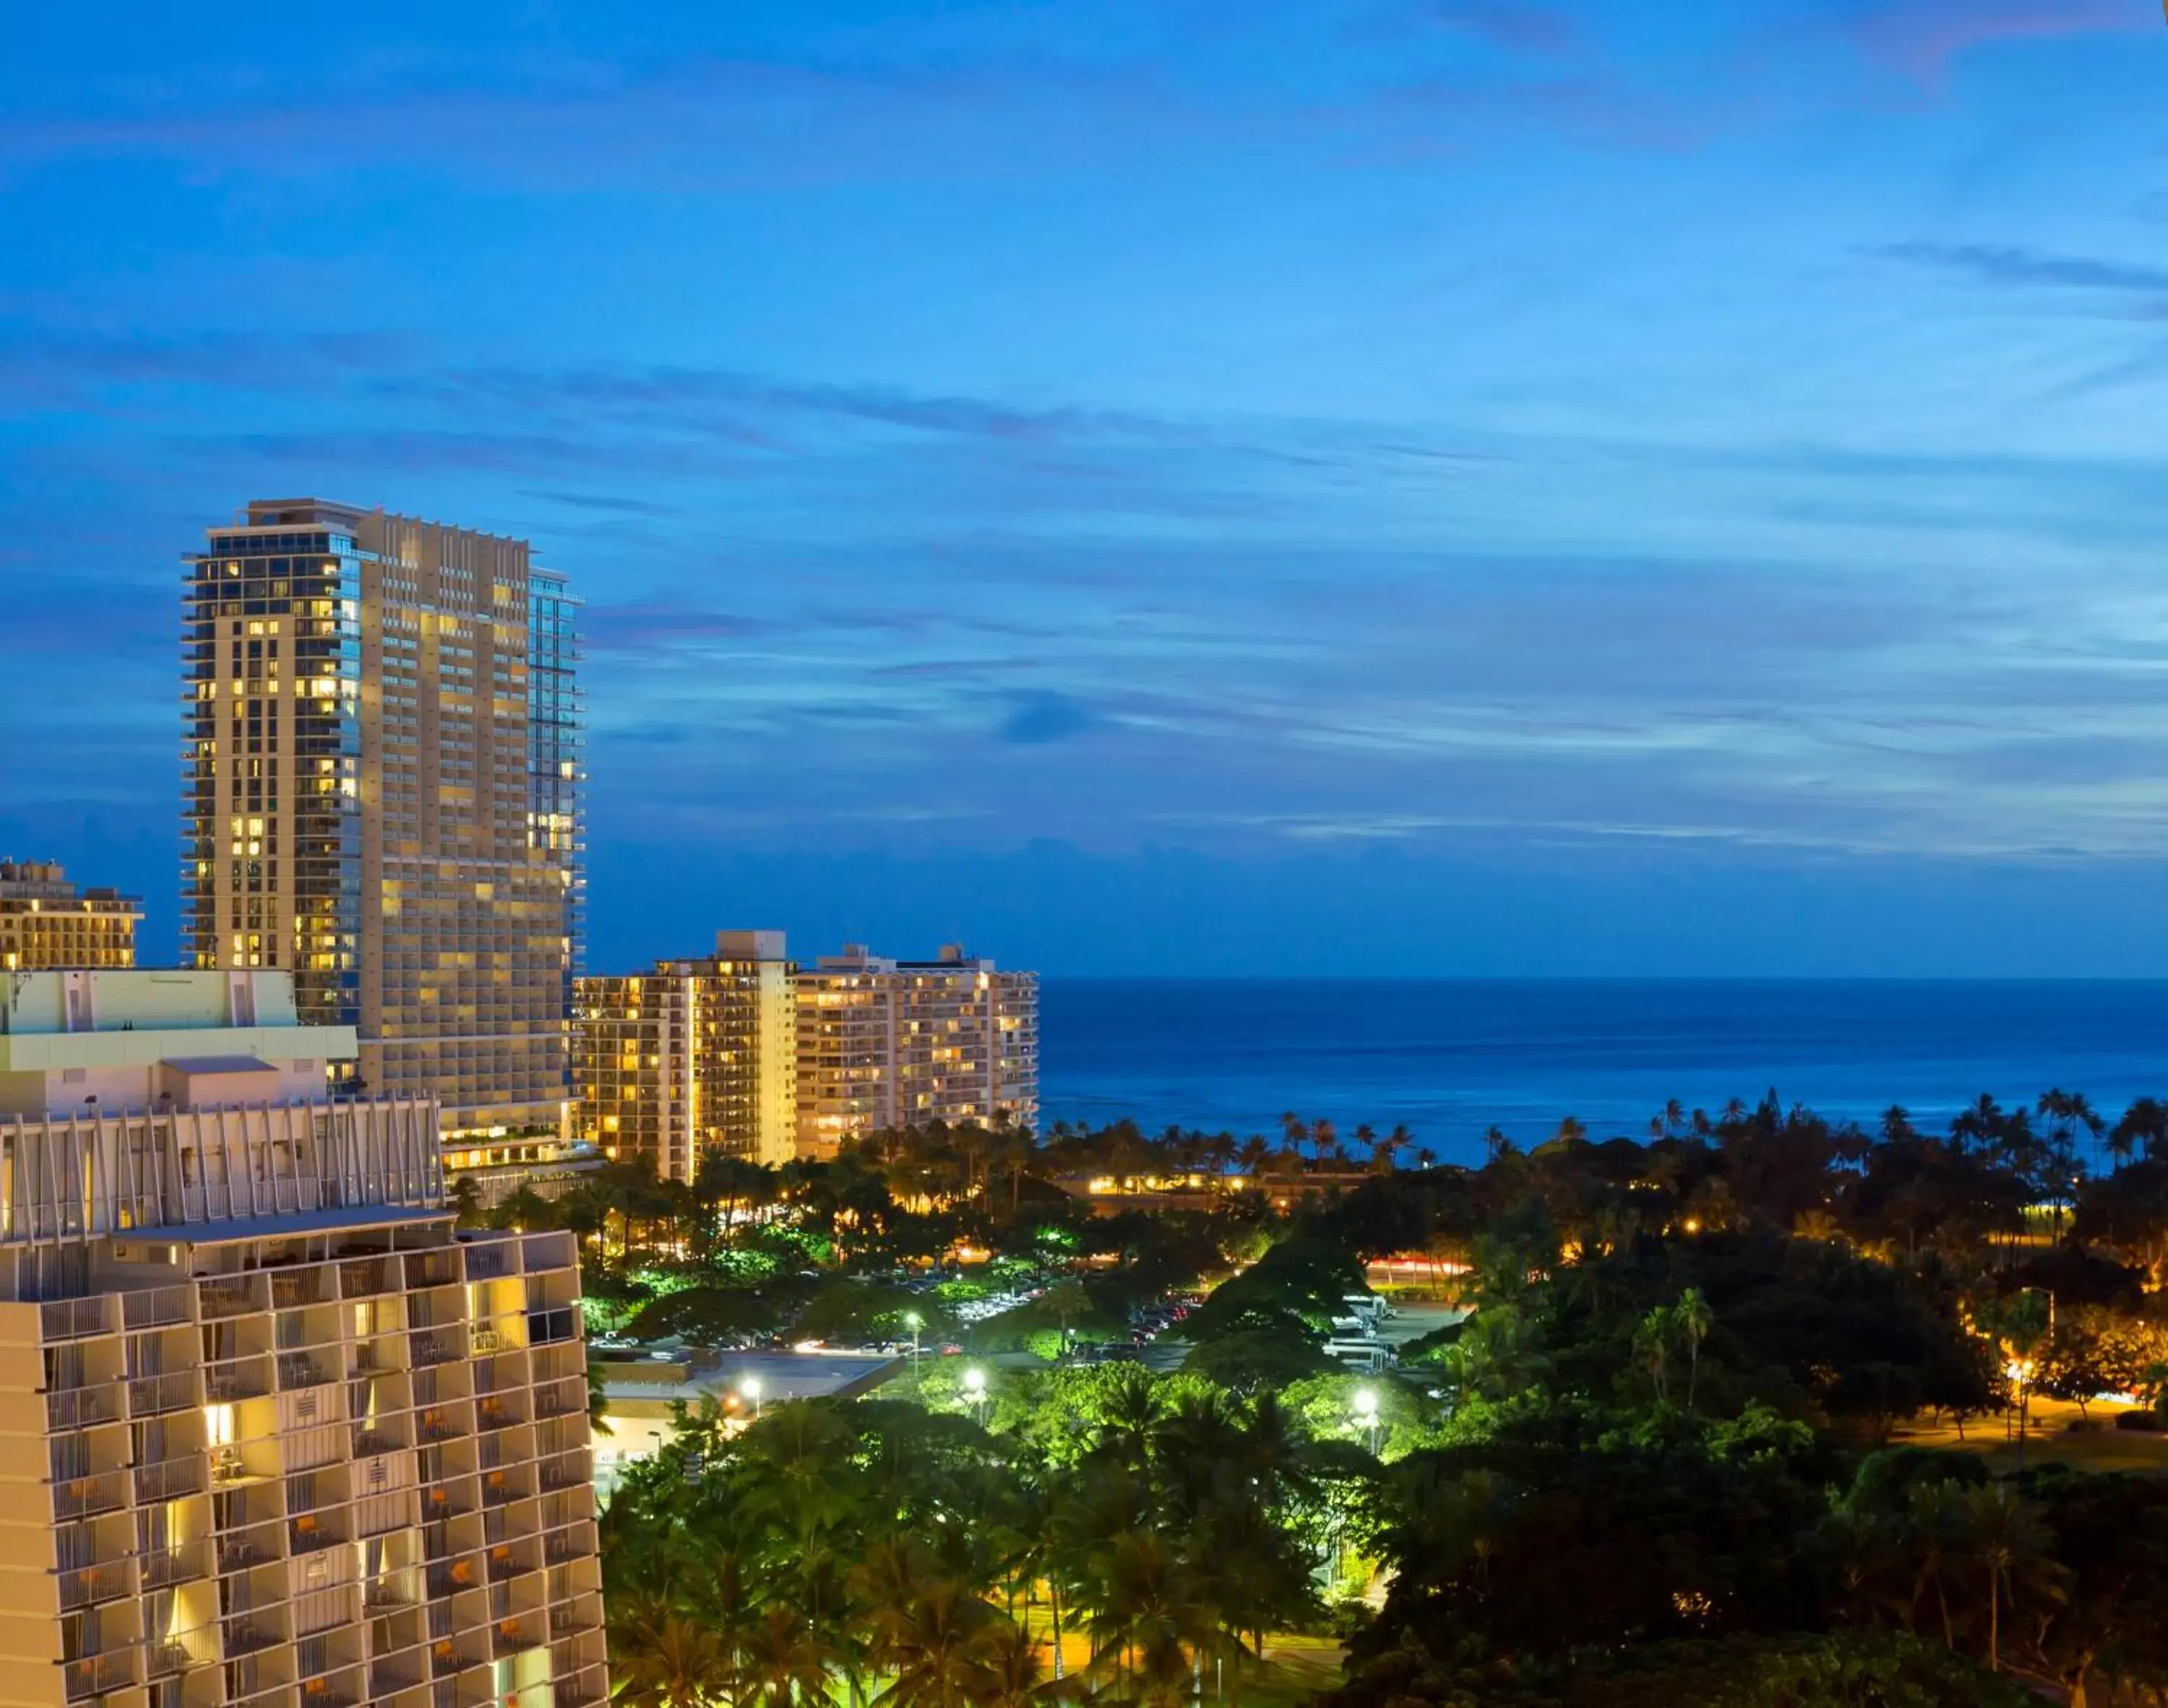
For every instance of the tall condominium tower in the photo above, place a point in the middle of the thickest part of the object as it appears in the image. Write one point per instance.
(275, 1435)
(46, 922)
(697, 1058)
(885, 1043)
(381, 768)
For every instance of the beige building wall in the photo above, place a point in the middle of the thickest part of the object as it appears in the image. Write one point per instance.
(270, 1434)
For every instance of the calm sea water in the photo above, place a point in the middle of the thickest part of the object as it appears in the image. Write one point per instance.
(1451, 1057)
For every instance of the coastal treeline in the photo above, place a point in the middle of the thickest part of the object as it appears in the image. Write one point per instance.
(1711, 1430)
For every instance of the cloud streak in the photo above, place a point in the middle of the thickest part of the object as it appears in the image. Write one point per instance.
(2008, 264)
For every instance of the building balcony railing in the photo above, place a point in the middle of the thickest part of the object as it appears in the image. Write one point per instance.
(220, 1299)
(512, 1637)
(309, 1534)
(157, 1308)
(168, 1480)
(88, 1586)
(74, 1407)
(153, 1396)
(297, 1370)
(99, 1675)
(167, 1566)
(237, 1380)
(79, 1496)
(240, 1553)
(70, 1319)
(245, 1637)
(585, 1689)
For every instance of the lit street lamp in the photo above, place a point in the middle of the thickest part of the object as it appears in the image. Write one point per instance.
(914, 1322)
(750, 1387)
(974, 1390)
(1365, 1414)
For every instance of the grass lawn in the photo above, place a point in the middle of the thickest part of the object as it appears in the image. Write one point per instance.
(1294, 1669)
(2050, 1441)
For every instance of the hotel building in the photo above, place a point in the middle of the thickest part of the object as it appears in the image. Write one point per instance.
(380, 796)
(885, 1043)
(695, 1058)
(47, 921)
(280, 1438)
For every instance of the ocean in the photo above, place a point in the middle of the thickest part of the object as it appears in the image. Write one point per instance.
(1453, 1057)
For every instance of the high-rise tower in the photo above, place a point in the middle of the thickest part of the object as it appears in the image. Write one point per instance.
(381, 796)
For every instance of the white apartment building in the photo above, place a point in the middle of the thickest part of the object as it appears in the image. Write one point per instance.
(885, 1043)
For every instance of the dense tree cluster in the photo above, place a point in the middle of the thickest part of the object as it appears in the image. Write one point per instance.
(1651, 1462)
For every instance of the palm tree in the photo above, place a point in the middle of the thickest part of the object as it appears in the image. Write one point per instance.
(1652, 1348)
(1694, 1319)
(1012, 1671)
(932, 1645)
(780, 1662)
(2143, 1126)
(1570, 1129)
(665, 1660)
(2011, 1549)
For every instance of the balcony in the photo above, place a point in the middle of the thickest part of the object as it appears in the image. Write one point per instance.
(489, 1261)
(369, 1443)
(297, 1370)
(513, 1636)
(584, 1689)
(238, 1379)
(170, 1660)
(99, 1676)
(244, 1637)
(88, 1586)
(70, 1319)
(430, 1351)
(76, 1407)
(220, 1299)
(155, 1307)
(363, 1279)
(240, 1553)
(387, 1678)
(164, 1569)
(81, 1497)
(168, 1481)
(154, 1396)
(385, 1595)
(500, 1489)
(310, 1533)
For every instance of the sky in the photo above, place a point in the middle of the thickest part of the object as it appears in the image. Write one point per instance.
(1366, 487)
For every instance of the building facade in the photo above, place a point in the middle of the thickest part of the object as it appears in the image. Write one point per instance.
(381, 797)
(276, 1436)
(885, 1043)
(47, 921)
(696, 1058)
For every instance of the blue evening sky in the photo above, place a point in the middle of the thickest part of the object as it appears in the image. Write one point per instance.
(1407, 485)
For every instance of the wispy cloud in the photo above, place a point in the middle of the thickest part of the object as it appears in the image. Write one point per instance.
(1520, 26)
(1923, 38)
(2005, 264)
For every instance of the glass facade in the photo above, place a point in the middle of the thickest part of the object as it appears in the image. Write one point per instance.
(380, 793)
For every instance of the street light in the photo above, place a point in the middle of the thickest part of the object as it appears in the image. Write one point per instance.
(974, 1390)
(914, 1322)
(750, 1387)
(1365, 1414)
